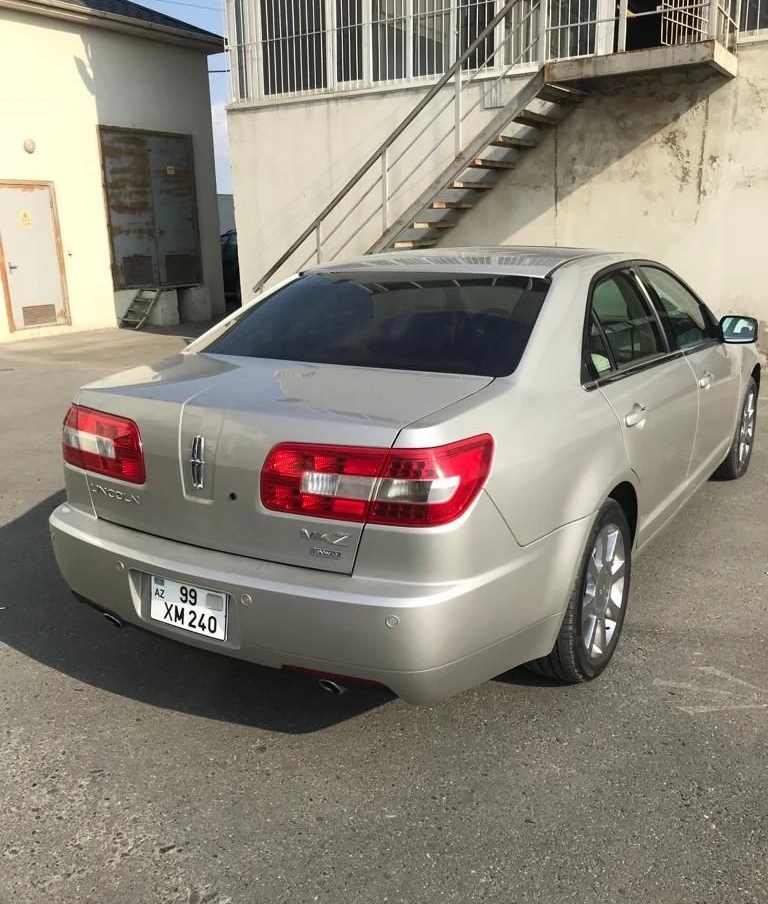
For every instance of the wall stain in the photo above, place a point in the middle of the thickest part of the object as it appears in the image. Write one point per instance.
(671, 142)
(759, 93)
(700, 172)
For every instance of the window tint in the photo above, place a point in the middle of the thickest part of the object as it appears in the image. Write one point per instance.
(465, 325)
(682, 314)
(629, 323)
(598, 353)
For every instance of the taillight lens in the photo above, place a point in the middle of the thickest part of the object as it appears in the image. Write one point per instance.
(402, 487)
(103, 444)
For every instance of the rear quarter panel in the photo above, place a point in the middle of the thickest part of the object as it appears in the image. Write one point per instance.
(559, 446)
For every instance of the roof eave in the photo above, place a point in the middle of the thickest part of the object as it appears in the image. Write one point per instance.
(123, 24)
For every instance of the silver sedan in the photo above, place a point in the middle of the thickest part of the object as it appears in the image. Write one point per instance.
(417, 469)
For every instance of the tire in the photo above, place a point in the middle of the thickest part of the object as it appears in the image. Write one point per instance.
(740, 453)
(580, 654)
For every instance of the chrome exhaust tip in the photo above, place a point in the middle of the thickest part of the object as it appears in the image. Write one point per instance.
(332, 687)
(113, 620)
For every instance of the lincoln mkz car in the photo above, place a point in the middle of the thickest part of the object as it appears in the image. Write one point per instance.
(418, 469)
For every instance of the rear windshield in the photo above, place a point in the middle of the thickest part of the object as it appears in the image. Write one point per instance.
(464, 325)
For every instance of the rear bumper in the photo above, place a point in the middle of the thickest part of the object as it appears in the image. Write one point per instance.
(424, 641)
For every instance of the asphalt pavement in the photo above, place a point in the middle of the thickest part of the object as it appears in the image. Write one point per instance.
(136, 770)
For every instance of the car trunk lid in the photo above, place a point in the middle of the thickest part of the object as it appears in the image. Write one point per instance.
(207, 424)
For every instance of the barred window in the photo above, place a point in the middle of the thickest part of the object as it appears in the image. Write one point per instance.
(283, 48)
(754, 15)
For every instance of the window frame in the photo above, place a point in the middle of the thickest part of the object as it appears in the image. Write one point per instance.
(656, 301)
(595, 381)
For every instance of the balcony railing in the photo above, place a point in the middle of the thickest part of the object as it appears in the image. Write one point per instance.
(298, 48)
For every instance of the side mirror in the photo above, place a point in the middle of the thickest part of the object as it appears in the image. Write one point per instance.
(738, 330)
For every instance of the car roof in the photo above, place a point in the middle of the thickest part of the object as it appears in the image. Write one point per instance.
(520, 260)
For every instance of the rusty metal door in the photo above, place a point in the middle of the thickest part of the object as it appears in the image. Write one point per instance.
(31, 265)
(149, 179)
(175, 205)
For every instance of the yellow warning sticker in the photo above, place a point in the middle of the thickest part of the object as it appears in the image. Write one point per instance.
(25, 218)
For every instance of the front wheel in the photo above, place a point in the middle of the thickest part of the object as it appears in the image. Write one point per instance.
(740, 453)
(595, 614)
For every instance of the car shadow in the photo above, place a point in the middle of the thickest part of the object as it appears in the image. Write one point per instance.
(41, 619)
(521, 677)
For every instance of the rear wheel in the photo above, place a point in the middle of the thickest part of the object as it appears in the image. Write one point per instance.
(740, 453)
(595, 613)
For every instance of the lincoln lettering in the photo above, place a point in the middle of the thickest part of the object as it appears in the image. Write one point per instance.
(119, 495)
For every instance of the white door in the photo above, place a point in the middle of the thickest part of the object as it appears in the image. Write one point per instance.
(31, 266)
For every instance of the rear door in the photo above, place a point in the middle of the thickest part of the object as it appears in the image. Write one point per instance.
(651, 390)
(691, 328)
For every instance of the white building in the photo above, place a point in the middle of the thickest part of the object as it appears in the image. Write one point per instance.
(106, 166)
(368, 124)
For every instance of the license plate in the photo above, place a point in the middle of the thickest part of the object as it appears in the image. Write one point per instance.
(195, 609)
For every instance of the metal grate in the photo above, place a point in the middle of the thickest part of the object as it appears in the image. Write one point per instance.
(305, 47)
(754, 15)
(137, 271)
(39, 314)
(682, 22)
(182, 270)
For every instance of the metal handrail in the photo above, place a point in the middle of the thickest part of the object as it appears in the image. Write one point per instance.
(393, 136)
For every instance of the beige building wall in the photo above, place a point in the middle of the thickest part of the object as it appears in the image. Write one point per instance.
(60, 81)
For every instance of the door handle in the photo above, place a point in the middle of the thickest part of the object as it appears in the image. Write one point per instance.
(13, 266)
(636, 417)
(706, 381)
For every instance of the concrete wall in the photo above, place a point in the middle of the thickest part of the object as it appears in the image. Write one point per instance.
(671, 165)
(59, 82)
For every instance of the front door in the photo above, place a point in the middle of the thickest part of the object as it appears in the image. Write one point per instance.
(691, 329)
(31, 266)
(652, 392)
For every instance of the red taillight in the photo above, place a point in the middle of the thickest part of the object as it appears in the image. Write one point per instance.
(103, 444)
(402, 487)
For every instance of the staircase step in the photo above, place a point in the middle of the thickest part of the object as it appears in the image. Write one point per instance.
(491, 164)
(513, 141)
(559, 94)
(434, 224)
(451, 205)
(473, 185)
(404, 244)
(529, 118)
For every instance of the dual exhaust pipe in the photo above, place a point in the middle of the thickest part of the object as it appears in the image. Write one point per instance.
(327, 684)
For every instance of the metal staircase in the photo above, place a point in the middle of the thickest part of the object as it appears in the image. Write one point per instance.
(516, 130)
(140, 308)
(467, 128)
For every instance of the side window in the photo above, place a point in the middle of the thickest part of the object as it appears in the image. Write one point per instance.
(628, 322)
(683, 315)
(598, 353)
